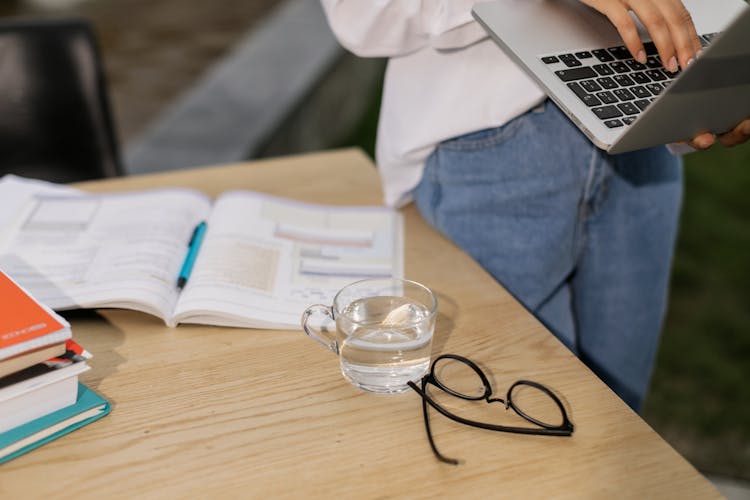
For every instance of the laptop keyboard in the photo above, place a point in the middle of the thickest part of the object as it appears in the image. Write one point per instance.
(614, 86)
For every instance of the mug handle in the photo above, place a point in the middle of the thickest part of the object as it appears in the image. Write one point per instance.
(326, 340)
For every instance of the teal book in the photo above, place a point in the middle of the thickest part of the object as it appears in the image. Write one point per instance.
(89, 406)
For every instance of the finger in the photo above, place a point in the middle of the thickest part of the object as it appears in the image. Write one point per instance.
(682, 30)
(656, 24)
(703, 141)
(620, 17)
(738, 135)
(694, 36)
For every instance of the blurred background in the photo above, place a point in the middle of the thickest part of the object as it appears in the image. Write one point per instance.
(296, 90)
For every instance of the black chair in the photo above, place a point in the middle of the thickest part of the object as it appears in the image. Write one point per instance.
(55, 119)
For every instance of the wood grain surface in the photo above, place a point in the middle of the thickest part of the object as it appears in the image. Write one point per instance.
(214, 412)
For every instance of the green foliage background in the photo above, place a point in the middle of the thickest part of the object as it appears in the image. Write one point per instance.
(700, 397)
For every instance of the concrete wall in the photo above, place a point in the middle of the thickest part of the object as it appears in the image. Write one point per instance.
(287, 87)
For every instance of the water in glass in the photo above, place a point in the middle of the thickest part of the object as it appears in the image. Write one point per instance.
(385, 342)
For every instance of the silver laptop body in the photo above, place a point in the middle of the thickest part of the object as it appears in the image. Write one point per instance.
(712, 94)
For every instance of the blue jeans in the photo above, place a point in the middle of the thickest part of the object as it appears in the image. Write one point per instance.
(582, 238)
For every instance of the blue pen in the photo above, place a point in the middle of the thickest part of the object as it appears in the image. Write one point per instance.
(193, 248)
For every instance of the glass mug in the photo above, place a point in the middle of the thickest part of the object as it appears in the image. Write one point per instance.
(383, 336)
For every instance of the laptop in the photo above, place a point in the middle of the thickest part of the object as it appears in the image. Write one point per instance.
(576, 55)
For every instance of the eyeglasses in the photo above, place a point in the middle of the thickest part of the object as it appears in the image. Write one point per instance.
(462, 378)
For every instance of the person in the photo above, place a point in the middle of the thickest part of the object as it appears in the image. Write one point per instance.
(582, 238)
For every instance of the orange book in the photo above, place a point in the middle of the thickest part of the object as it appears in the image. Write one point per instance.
(21, 317)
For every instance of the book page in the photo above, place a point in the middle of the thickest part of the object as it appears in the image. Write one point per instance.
(265, 259)
(16, 191)
(112, 250)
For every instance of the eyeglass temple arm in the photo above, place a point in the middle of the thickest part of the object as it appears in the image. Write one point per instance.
(426, 416)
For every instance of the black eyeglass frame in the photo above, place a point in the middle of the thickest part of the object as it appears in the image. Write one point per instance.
(565, 428)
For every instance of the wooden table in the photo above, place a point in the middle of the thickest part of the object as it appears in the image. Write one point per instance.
(218, 412)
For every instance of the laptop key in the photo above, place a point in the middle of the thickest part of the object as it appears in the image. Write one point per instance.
(572, 74)
(650, 48)
(588, 99)
(602, 55)
(590, 86)
(640, 92)
(607, 97)
(569, 60)
(603, 69)
(583, 54)
(623, 94)
(591, 100)
(653, 62)
(607, 112)
(620, 52)
(640, 77)
(613, 123)
(654, 88)
(642, 103)
(577, 89)
(607, 83)
(656, 75)
(550, 59)
(623, 80)
(628, 119)
(635, 65)
(629, 108)
(620, 67)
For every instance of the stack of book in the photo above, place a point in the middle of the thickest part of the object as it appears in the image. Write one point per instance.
(40, 395)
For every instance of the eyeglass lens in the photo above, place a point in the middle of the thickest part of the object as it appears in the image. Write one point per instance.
(459, 378)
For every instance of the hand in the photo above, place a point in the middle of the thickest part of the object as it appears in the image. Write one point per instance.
(667, 21)
(672, 30)
(738, 135)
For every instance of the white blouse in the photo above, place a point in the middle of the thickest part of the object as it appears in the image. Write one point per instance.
(444, 78)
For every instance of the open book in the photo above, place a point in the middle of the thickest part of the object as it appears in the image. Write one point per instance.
(262, 261)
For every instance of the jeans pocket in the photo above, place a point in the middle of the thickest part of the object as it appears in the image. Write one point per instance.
(482, 139)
